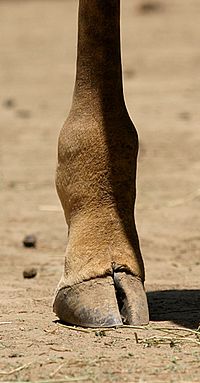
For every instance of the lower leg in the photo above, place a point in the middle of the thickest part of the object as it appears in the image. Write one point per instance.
(96, 185)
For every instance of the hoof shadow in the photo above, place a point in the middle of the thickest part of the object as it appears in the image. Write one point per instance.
(179, 306)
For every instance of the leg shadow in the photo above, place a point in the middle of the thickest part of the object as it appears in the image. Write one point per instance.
(179, 306)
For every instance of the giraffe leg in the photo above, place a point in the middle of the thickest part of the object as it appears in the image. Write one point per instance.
(97, 157)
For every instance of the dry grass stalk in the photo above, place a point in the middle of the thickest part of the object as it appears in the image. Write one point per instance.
(5, 323)
(56, 370)
(74, 328)
(50, 208)
(2, 372)
(65, 380)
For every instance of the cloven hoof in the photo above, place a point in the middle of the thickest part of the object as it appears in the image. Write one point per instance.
(104, 302)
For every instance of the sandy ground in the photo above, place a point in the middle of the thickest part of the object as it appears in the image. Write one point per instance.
(161, 61)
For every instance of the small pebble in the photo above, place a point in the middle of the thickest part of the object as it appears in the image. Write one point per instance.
(9, 103)
(129, 73)
(23, 113)
(185, 116)
(150, 6)
(30, 272)
(30, 240)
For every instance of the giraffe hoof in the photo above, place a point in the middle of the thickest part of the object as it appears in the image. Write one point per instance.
(132, 299)
(89, 304)
(103, 302)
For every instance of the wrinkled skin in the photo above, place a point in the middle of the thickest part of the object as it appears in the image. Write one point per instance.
(102, 283)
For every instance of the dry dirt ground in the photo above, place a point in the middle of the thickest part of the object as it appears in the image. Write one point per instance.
(161, 60)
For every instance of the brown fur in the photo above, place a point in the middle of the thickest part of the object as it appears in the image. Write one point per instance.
(97, 155)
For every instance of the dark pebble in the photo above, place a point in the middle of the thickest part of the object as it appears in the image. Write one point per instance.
(30, 241)
(30, 272)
